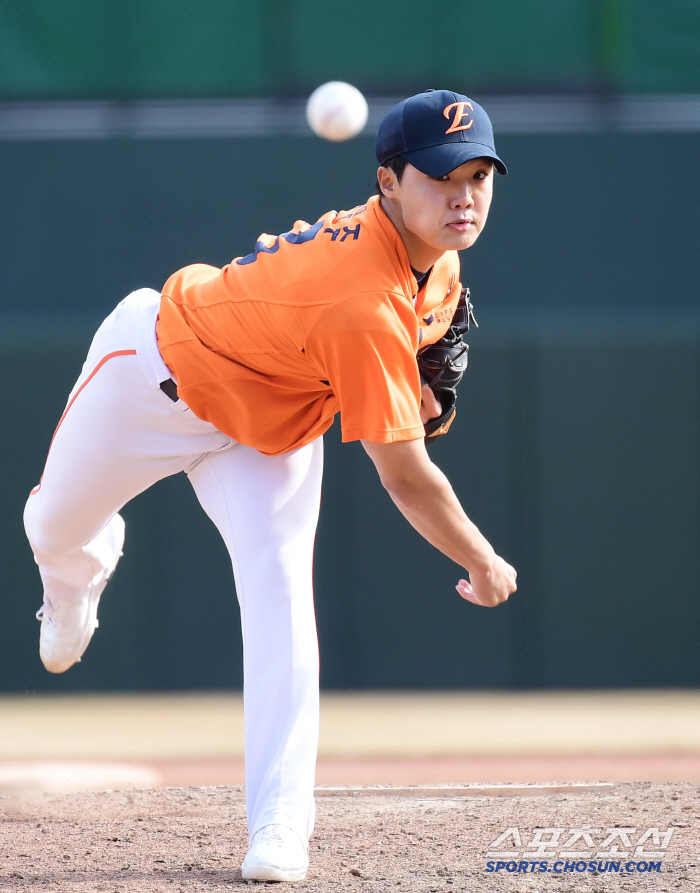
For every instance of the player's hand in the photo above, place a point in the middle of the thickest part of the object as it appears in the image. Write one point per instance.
(489, 586)
(430, 407)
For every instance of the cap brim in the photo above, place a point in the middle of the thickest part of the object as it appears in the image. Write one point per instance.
(438, 161)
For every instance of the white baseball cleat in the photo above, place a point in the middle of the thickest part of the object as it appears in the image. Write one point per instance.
(68, 622)
(276, 853)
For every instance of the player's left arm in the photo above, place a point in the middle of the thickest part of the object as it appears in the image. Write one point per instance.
(425, 497)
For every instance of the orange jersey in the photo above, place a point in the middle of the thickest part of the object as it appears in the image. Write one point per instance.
(318, 320)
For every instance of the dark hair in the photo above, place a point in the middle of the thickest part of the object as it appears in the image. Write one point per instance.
(397, 164)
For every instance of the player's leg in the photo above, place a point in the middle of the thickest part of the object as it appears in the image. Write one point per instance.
(266, 508)
(119, 434)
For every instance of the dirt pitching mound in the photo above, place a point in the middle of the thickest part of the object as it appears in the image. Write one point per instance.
(194, 839)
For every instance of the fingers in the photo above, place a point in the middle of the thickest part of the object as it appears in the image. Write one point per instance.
(467, 593)
(492, 588)
(430, 407)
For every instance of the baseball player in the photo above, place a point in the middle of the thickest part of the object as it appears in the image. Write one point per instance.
(233, 375)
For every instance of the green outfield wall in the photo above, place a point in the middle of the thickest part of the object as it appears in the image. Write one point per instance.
(126, 49)
(575, 448)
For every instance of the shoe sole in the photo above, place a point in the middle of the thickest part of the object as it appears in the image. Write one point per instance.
(268, 873)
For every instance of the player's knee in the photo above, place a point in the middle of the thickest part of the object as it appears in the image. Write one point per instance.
(46, 535)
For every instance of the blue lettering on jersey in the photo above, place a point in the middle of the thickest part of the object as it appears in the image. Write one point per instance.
(354, 232)
(292, 238)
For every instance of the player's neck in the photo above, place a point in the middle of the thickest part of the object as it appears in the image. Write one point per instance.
(421, 256)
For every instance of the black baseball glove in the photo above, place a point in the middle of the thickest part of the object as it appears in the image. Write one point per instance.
(442, 365)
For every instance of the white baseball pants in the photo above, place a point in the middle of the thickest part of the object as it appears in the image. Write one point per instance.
(119, 434)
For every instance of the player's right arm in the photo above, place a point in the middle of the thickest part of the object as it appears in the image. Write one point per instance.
(365, 348)
(426, 499)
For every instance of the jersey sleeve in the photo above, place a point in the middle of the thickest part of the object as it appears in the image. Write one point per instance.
(365, 348)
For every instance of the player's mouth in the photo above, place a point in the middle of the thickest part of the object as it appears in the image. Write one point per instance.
(461, 225)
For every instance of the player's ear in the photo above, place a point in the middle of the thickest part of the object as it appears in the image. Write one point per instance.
(386, 181)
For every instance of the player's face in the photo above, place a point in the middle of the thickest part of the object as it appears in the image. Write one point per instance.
(434, 215)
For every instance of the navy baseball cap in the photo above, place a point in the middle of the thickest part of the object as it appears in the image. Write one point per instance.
(436, 131)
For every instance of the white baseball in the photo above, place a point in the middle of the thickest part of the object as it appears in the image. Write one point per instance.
(336, 111)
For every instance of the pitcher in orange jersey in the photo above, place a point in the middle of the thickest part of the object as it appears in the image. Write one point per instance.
(233, 375)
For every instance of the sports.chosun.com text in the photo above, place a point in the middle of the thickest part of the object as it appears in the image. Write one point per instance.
(561, 866)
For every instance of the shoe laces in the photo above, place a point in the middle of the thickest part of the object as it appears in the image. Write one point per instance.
(45, 612)
(48, 612)
(279, 834)
(272, 832)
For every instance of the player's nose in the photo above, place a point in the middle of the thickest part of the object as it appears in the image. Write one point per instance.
(462, 199)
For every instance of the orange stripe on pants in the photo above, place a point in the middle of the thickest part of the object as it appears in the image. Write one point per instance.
(117, 353)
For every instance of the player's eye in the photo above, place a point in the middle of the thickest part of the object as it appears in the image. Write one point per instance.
(444, 179)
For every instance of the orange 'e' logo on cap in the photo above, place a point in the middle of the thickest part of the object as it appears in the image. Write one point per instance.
(460, 115)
